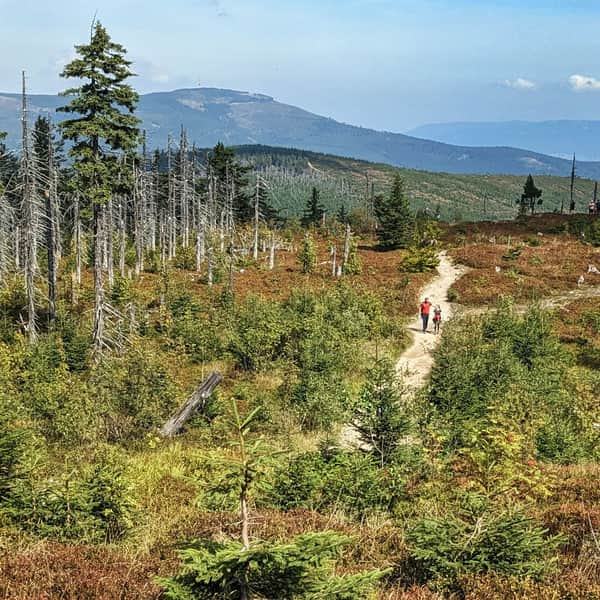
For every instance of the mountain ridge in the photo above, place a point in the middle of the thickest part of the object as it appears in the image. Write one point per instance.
(239, 117)
(555, 137)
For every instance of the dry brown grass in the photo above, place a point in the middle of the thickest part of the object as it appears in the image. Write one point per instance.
(539, 271)
(517, 229)
(380, 275)
(53, 571)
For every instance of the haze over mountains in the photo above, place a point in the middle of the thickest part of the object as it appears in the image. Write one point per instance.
(211, 115)
(557, 138)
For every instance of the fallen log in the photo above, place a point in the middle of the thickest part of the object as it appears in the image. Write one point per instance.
(197, 401)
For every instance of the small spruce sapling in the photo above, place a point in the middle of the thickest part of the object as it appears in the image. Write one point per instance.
(308, 255)
(379, 413)
(300, 568)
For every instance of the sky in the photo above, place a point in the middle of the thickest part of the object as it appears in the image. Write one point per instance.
(385, 64)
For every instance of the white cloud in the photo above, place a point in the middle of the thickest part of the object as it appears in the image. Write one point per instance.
(582, 83)
(520, 84)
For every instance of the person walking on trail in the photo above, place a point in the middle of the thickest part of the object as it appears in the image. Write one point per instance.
(425, 309)
(437, 318)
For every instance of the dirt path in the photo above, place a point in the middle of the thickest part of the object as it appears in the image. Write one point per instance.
(416, 362)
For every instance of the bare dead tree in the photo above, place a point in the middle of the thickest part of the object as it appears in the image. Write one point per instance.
(110, 233)
(195, 403)
(30, 216)
(272, 252)
(333, 261)
(98, 337)
(138, 219)
(209, 275)
(347, 240)
(183, 184)
(122, 234)
(172, 218)
(52, 231)
(6, 234)
(256, 218)
(77, 238)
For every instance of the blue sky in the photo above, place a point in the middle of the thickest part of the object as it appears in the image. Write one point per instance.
(388, 64)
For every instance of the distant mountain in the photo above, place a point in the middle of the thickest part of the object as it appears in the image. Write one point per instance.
(211, 115)
(556, 138)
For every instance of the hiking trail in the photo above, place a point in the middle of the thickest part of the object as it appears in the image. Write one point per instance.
(417, 360)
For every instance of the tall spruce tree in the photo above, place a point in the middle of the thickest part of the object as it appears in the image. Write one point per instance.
(531, 196)
(314, 212)
(102, 129)
(395, 221)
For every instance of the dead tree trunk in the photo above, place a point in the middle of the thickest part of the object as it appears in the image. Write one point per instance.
(122, 236)
(199, 244)
(77, 237)
(196, 402)
(110, 259)
(209, 274)
(333, 261)
(346, 247)
(184, 204)
(51, 227)
(256, 219)
(172, 218)
(272, 252)
(98, 335)
(30, 221)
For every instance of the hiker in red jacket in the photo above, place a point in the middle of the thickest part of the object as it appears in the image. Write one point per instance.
(425, 310)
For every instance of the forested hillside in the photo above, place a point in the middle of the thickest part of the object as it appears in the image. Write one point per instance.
(353, 183)
(136, 285)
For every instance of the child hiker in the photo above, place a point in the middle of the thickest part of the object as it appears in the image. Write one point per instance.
(437, 318)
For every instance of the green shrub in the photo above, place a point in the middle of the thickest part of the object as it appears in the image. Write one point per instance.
(308, 255)
(319, 399)
(354, 264)
(534, 241)
(477, 542)
(333, 479)
(120, 293)
(300, 568)
(199, 335)
(453, 295)
(12, 450)
(593, 233)
(419, 260)
(380, 413)
(76, 341)
(95, 505)
(55, 398)
(12, 306)
(109, 497)
(135, 391)
(185, 258)
(257, 337)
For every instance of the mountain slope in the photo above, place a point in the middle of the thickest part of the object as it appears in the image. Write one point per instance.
(343, 182)
(235, 118)
(557, 138)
